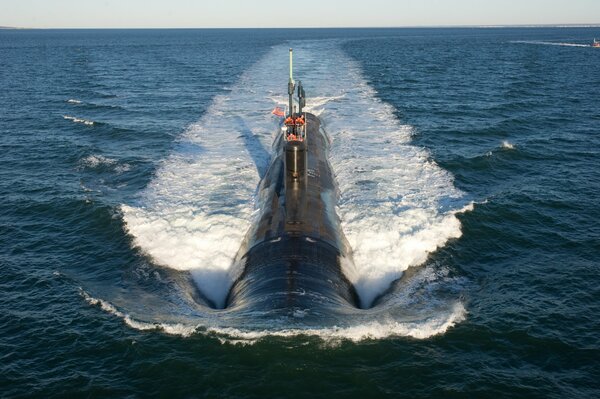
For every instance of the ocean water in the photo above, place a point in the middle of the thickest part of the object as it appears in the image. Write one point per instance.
(466, 162)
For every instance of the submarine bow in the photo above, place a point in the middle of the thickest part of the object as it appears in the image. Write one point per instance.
(293, 254)
(297, 247)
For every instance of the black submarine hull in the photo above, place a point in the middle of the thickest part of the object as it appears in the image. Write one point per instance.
(293, 254)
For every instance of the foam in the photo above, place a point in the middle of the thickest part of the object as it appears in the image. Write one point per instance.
(371, 330)
(317, 104)
(94, 161)
(122, 168)
(79, 120)
(168, 328)
(374, 330)
(507, 145)
(73, 101)
(396, 204)
(100, 161)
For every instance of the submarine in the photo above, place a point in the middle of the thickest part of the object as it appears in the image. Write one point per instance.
(294, 253)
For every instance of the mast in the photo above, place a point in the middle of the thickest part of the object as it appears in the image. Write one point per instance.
(301, 97)
(291, 85)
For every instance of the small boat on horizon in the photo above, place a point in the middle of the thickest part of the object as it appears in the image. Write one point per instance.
(595, 43)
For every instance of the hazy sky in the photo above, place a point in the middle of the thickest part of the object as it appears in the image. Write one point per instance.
(307, 13)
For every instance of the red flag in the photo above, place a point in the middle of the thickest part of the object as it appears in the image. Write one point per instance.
(278, 111)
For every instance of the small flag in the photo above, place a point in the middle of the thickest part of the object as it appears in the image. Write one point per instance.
(278, 111)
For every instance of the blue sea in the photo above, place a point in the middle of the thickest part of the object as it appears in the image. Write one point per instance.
(467, 168)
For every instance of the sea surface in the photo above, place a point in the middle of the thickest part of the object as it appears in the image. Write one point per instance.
(467, 164)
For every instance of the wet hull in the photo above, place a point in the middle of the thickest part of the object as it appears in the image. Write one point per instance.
(292, 256)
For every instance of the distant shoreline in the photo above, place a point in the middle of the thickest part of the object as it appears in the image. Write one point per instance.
(597, 25)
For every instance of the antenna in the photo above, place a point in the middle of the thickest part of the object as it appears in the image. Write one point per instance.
(291, 85)
(301, 97)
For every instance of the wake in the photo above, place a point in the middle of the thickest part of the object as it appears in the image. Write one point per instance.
(396, 205)
(551, 43)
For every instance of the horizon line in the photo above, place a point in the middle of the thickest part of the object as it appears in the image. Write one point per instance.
(588, 25)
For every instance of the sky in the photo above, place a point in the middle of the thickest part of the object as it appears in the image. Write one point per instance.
(304, 13)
